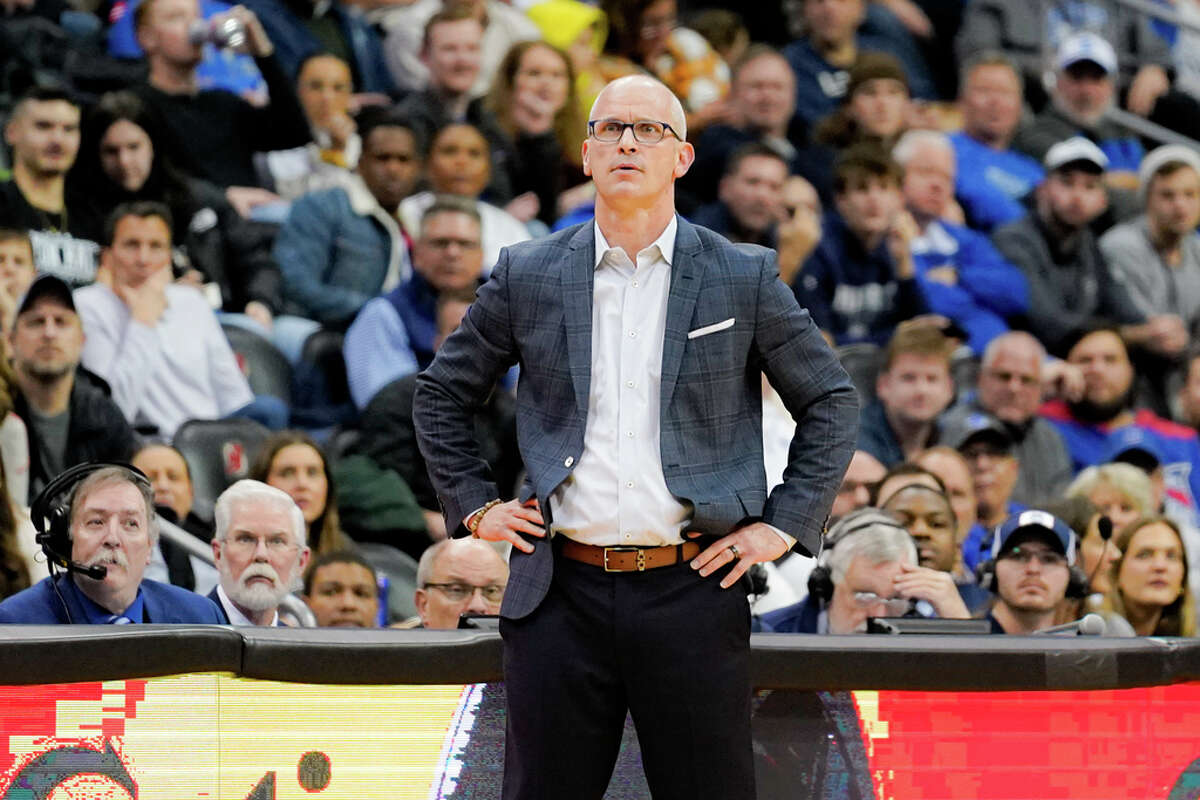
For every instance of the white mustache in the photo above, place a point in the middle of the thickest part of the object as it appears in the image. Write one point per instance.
(258, 571)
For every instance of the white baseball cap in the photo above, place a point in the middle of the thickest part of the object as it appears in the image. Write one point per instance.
(1086, 46)
(1077, 148)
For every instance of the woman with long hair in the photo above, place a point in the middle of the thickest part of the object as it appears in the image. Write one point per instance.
(120, 162)
(875, 109)
(1150, 579)
(293, 462)
(533, 98)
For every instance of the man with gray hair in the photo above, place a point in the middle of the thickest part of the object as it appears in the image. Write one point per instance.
(1009, 387)
(104, 545)
(260, 552)
(868, 569)
(960, 273)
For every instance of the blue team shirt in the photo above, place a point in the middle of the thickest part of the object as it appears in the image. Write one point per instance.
(218, 69)
(989, 288)
(1177, 445)
(990, 184)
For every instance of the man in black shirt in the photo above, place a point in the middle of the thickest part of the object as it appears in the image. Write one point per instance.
(44, 135)
(70, 420)
(212, 133)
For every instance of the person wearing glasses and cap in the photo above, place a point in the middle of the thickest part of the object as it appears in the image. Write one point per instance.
(642, 340)
(1029, 571)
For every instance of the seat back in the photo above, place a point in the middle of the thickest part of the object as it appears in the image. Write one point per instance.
(863, 362)
(401, 571)
(218, 452)
(324, 350)
(266, 369)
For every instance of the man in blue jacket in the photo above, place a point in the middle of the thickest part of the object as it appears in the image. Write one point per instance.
(111, 531)
(342, 246)
(960, 273)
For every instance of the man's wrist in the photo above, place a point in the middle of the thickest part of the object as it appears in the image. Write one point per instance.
(471, 523)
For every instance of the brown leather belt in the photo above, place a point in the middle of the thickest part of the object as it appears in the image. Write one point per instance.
(629, 559)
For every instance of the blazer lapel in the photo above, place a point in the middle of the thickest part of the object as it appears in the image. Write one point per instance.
(577, 279)
(686, 272)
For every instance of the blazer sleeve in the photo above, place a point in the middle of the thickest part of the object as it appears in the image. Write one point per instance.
(460, 379)
(819, 395)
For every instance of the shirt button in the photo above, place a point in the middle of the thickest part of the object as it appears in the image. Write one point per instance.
(629, 434)
(628, 537)
(628, 484)
(633, 334)
(635, 284)
(629, 384)
(570, 460)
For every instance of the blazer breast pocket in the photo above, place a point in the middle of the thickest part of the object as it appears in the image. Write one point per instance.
(707, 329)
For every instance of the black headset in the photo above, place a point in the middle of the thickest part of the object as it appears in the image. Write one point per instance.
(51, 514)
(1077, 582)
(820, 580)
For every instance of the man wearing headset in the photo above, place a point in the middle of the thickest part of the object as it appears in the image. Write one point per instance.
(1030, 571)
(869, 569)
(103, 538)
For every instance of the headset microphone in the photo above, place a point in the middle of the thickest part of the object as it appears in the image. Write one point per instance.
(50, 513)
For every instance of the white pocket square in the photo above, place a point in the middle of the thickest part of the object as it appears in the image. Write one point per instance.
(707, 329)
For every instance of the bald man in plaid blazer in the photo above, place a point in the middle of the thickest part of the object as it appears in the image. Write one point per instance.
(639, 418)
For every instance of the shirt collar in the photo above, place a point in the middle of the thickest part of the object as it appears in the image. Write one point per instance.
(665, 242)
(236, 617)
(98, 615)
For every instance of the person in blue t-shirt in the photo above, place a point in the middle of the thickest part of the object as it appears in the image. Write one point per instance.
(993, 180)
(860, 281)
(960, 273)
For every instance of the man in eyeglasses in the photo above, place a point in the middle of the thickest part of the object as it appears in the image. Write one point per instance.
(457, 577)
(259, 550)
(642, 340)
(1032, 554)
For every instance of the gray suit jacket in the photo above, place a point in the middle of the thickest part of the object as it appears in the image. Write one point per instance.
(536, 310)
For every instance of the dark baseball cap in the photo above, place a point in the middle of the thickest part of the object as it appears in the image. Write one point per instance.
(958, 433)
(1042, 524)
(1132, 445)
(46, 285)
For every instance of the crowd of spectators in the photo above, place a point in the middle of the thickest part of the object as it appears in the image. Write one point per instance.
(990, 211)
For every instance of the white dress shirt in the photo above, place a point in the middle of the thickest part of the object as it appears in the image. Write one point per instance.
(180, 369)
(236, 617)
(617, 494)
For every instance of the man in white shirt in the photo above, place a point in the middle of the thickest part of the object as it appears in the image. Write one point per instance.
(157, 343)
(259, 551)
(641, 340)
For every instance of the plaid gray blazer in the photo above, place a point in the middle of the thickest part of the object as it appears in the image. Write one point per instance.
(536, 311)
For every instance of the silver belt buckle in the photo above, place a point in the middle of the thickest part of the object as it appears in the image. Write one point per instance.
(641, 557)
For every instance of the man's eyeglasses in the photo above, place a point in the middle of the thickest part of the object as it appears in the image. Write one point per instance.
(447, 243)
(896, 606)
(646, 131)
(458, 592)
(248, 543)
(1047, 558)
